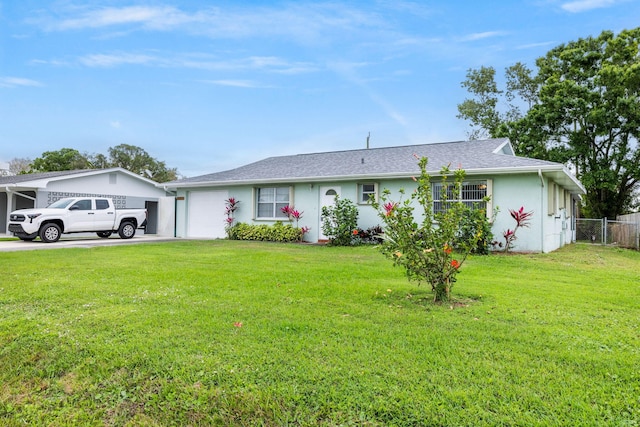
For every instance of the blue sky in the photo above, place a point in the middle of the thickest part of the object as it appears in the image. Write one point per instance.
(210, 85)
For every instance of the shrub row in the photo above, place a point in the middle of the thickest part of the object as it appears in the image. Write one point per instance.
(277, 232)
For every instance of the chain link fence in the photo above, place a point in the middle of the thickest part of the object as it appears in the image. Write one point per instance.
(607, 232)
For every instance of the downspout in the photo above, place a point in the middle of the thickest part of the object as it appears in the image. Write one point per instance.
(541, 210)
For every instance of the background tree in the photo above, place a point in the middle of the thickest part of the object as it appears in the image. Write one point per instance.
(64, 159)
(482, 110)
(19, 165)
(130, 157)
(98, 161)
(582, 108)
(137, 160)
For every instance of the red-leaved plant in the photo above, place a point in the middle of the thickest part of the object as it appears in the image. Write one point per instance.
(294, 215)
(522, 219)
(230, 206)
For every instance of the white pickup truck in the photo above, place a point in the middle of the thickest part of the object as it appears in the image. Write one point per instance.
(76, 215)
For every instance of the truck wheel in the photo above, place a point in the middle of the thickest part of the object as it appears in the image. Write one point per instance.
(126, 230)
(104, 234)
(50, 233)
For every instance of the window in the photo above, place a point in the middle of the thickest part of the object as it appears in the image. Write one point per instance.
(472, 194)
(102, 204)
(81, 205)
(365, 191)
(60, 204)
(271, 200)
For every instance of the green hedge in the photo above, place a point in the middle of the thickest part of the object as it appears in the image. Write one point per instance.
(272, 233)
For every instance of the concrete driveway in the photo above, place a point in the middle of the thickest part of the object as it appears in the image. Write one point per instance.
(79, 241)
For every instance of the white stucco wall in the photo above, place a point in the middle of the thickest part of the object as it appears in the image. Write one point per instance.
(513, 192)
(549, 229)
(116, 183)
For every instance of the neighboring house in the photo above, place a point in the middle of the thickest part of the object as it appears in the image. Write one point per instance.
(127, 190)
(311, 181)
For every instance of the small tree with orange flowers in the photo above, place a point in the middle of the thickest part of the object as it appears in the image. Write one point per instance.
(434, 249)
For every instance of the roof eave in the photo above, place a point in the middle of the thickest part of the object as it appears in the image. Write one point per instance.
(42, 183)
(102, 171)
(311, 179)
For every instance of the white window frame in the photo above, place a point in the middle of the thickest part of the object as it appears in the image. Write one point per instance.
(277, 214)
(361, 193)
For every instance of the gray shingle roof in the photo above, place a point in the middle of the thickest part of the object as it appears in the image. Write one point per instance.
(17, 179)
(473, 156)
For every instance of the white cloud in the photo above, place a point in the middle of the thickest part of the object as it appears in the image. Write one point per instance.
(115, 124)
(112, 60)
(270, 64)
(481, 36)
(305, 23)
(235, 83)
(279, 65)
(348, 71)
(535, 45)
(11, 82)
(584, 5)
(158, 18)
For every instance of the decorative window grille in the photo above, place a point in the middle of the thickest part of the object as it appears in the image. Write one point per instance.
(472, 194)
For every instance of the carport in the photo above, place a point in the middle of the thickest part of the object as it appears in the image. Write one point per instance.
(126, 189)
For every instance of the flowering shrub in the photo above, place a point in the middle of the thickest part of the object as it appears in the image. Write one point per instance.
(370, 236)
(339, 221)
(522, 219)
(434, 249)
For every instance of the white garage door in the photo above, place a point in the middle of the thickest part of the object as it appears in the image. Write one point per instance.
(205, 217)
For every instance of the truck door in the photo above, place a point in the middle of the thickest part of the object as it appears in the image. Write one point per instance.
(80, 216)
(104, 215)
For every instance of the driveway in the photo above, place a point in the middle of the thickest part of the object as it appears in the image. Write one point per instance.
(79, 241)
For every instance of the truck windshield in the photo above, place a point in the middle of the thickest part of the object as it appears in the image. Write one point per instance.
(60, 204)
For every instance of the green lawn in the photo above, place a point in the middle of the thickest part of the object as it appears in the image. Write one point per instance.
(241, 333)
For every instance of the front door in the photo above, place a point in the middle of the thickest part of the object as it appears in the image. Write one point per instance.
(327, 198)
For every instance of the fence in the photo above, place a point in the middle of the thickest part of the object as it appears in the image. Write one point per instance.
(607, 232)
